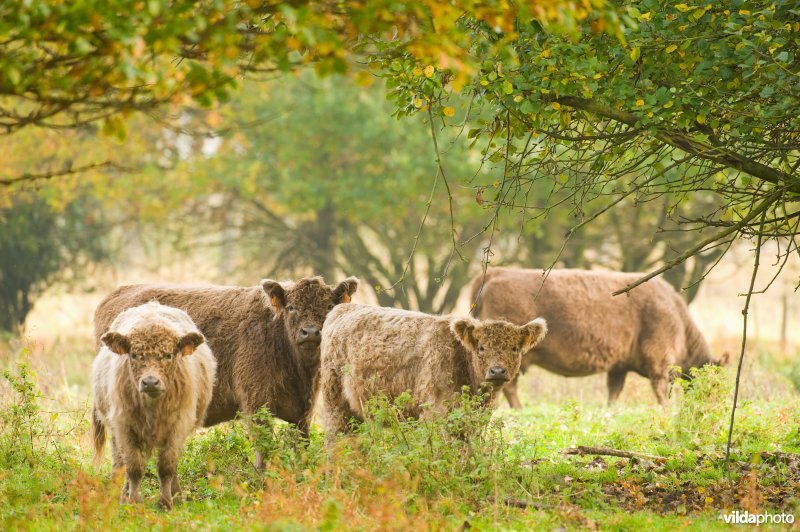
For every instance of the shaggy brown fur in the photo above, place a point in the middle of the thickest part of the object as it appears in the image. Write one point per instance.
(152, 383)
(645, 331)
(372, 350)
(265, 338)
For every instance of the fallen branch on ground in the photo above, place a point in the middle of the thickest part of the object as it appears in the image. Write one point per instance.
(583, 450)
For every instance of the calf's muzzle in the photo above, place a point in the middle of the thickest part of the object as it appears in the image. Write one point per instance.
(310, 335)
(152, 386)
(497, 375)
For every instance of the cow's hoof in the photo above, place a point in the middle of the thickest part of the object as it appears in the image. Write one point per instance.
(165, 504)
(124, 499)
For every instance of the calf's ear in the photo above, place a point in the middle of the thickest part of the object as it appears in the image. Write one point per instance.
(189, 342)
(463, 329)
(118, 343)
(725, 358)
(275, 292)
(532, 333)
(345, 289)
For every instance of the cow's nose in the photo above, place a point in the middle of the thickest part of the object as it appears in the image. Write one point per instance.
(150, 383)
(310, 334)
(497, 373)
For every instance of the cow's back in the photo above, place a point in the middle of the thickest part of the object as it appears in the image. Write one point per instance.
(590, 330)
(375, 350)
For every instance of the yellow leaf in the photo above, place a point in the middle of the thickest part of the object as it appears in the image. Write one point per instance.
(556, 106)
(448, 111)
(429, 70)
(671, 48)
(701, 119)
(639, 103)
(645, 17)
(744, 12)
(545, 53)
(418, 102)
(417, 71)
(636, 52)
(683, 8)
(598, 75)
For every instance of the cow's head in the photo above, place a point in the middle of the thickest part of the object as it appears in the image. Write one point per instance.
(152, 353)
(304, 305)
(495, 347)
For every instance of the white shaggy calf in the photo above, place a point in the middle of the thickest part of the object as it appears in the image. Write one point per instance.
(152, 382)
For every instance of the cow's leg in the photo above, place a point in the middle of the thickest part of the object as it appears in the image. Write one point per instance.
(176, 486)
(249, 407)
(615, 380)
(660, 388)
(510, 391)
(134, 461)
(168, 472)
(118, 464)
(337, 409)
(304, 426)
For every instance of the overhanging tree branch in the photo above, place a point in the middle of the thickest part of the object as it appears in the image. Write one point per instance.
(765, 204)
(688, 144)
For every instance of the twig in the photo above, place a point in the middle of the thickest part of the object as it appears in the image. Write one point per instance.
(582, 450)
(760, 209)
(454, 249)
(60, 173)
(519, 503)
(744, 335)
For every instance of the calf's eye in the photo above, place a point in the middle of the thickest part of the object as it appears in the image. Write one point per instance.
(330, 307)
(481, 348)
(290, 308)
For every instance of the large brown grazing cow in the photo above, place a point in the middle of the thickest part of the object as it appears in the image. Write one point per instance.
(265, 338)
(367, 351)
(152, 382)
(646, 330)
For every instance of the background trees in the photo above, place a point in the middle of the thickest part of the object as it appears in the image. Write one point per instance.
(650, 134)
(40, 245)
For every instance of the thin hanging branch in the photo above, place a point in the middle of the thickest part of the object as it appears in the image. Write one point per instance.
(744, 334)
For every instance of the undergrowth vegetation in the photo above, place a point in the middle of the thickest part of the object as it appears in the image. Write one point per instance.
(471, 468)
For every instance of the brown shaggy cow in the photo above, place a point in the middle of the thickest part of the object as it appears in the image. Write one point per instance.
(368, 351)
(265, 338)
(646, 330)
(152, 382)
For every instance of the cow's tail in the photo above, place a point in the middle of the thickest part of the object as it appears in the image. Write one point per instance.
(476, 292)
(98, 436)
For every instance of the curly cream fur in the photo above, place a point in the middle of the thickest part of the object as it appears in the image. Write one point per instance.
(372, 350)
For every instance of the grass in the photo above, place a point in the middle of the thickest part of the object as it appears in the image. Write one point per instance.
(470, 469)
